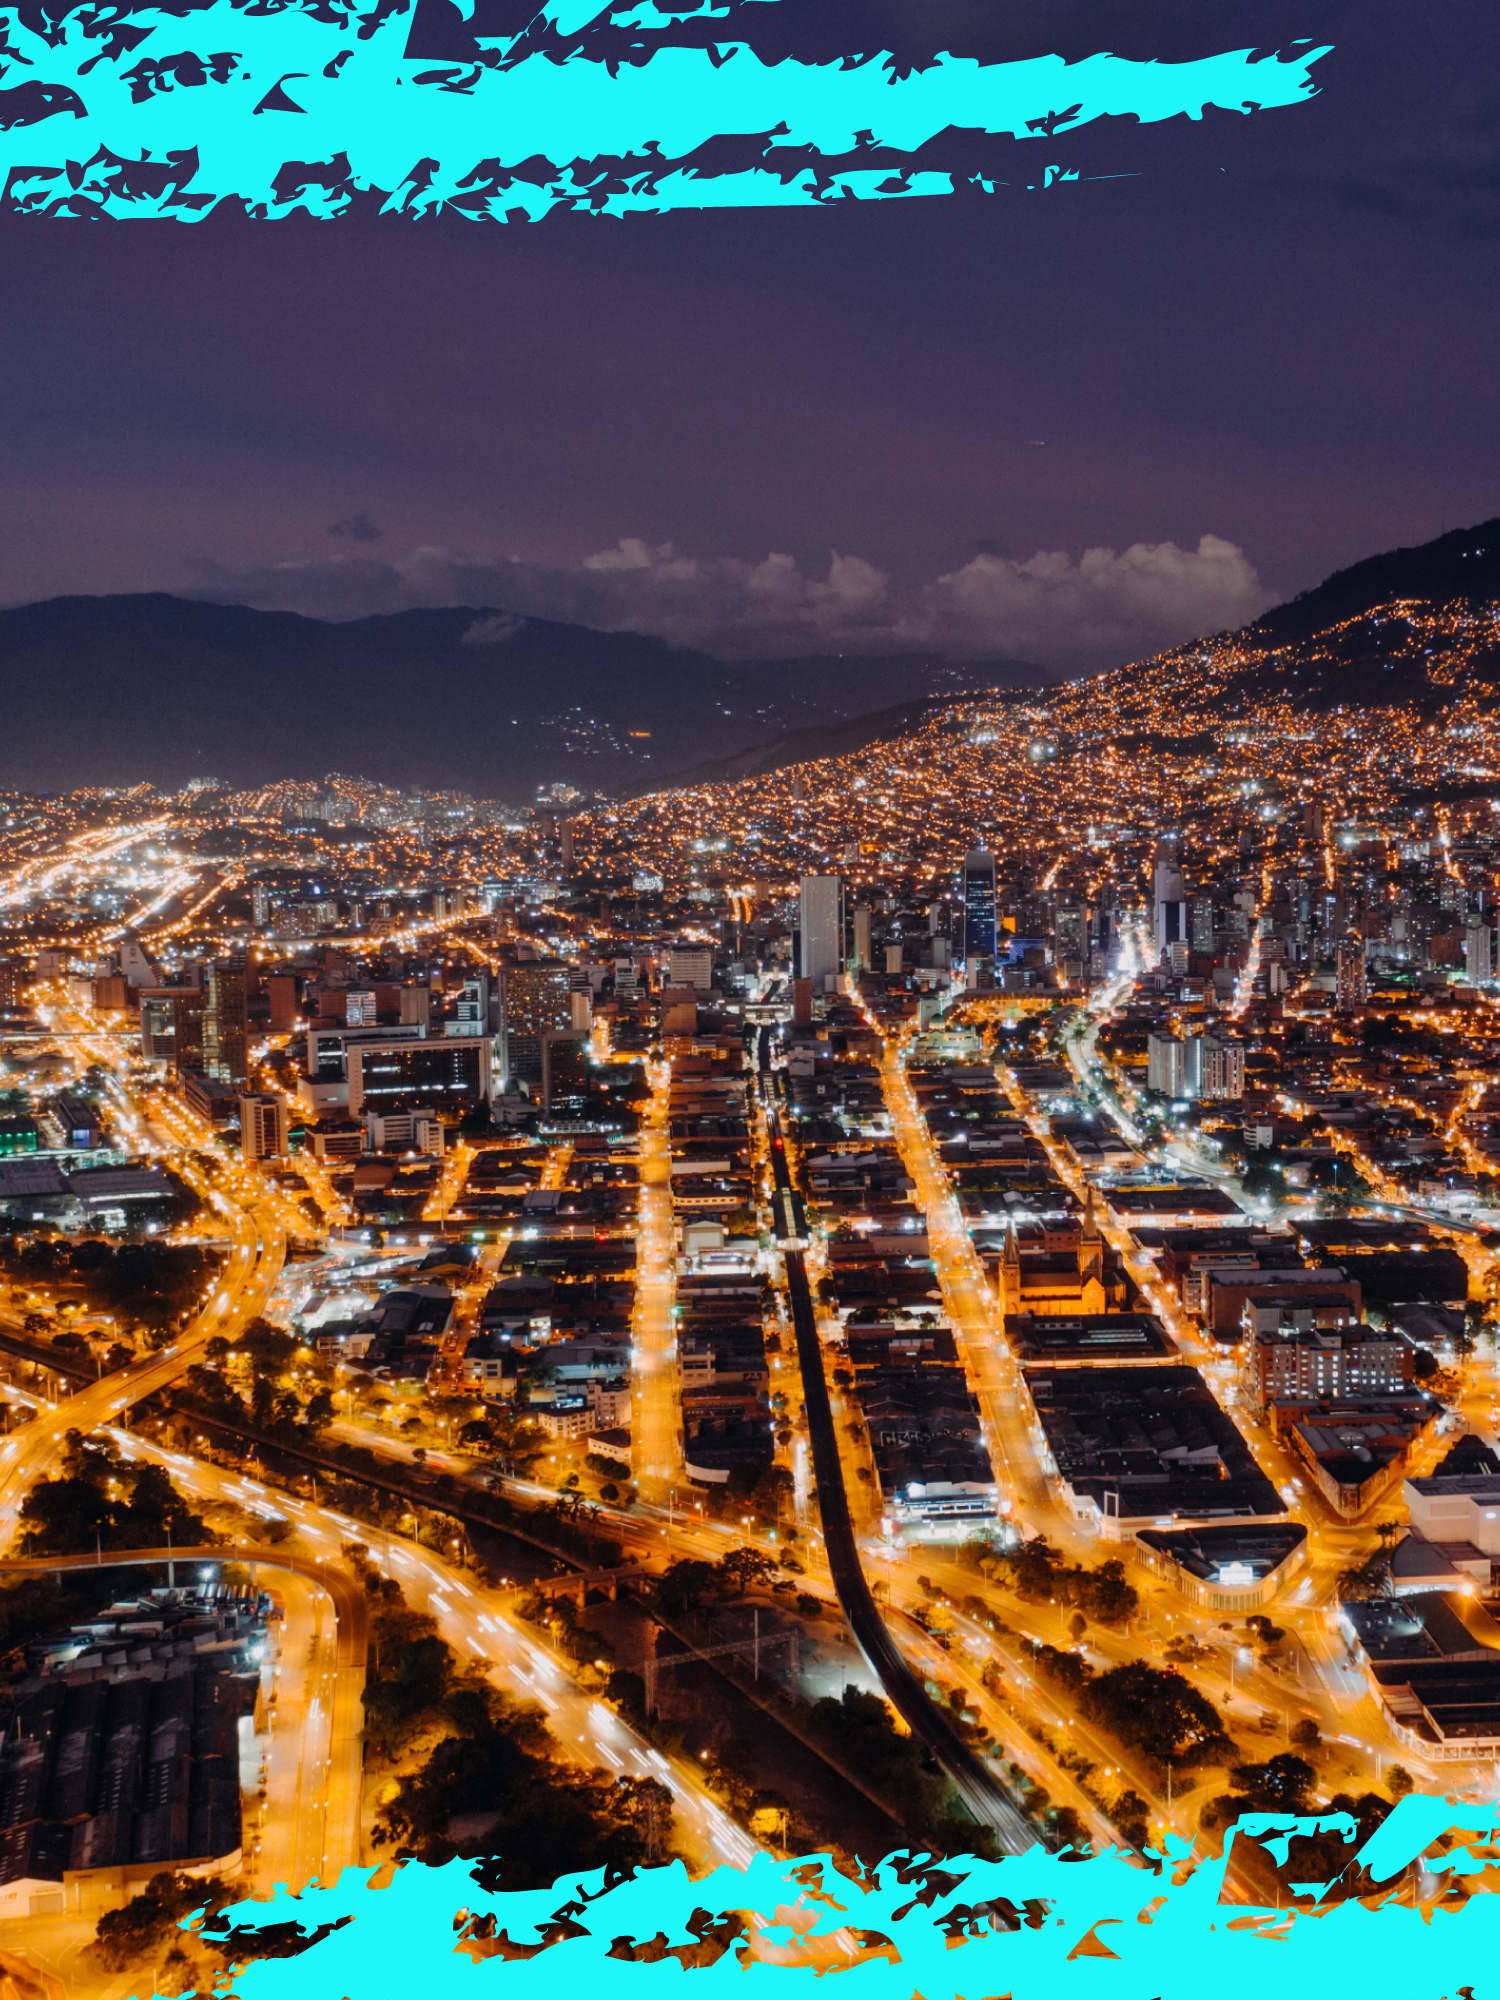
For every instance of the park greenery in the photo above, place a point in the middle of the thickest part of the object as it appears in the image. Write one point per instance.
(153, 1287)
(101, 1501)
(1150, 1709)
(859, 1733)
(1041, 1574)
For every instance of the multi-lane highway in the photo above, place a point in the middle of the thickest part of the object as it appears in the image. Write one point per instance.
(479, 1623)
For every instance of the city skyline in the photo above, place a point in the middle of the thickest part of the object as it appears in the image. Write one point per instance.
(749, 993)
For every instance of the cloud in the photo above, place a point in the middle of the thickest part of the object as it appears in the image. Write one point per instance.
(493, 631)
(1104, 607)
(359, 526)
(1074, 614)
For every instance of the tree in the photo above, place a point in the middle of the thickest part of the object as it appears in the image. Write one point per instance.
(745, 1566)
(685, 1586)
(1281, 1785)
(1067, 1669)
(1305, 1734)
(1157, 1711)
(319, 1410)
(536, 1818)
(1131, 1817)
(1267, 1635)
(1103, 1592)
(269, 1351)
(1078, 1625)
(1399, 1781)
(1030, 1568)
(136, 1933)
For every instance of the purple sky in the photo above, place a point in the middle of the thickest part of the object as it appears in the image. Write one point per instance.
(1294, 355)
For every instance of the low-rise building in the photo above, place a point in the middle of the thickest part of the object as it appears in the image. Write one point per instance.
(1433, 1662)
(1355, 1450)
(1089, 1339)
(1144, 1446)
(122, 1748)
(1235, 1568)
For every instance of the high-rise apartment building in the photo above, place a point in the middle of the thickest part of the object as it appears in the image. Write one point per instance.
(1351, 989)
(1221, 1068)
(416, 1005)
(263, 1125)
(1165, 1065)
(535, 999)
(471, 1009)
(188, 1008)
(565, 1069)
(822, 929)
(978, 893)
(1479, 952)
(226, 1028)
(1168, 894)
(281, 991)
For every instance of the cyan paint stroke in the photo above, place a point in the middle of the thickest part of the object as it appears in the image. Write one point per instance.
(1166, 1932)
(156, 111)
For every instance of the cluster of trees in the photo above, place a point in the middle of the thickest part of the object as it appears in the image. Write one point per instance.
(488, 1784)
(860, 1733)
(101, 1501)
(153, 1285)
(1156, 1711)
(137, 1933)
(289, 1394)
(688, 1583)
(1284, 1784)
(1150, 1709)
(1042, 1574)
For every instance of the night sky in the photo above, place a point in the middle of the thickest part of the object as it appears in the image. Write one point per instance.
(1277, 331)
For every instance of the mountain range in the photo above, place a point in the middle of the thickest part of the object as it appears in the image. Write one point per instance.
(116, 690)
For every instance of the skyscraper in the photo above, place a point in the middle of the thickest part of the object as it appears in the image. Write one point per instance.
(188, 1006)
(979, 904)
(1165, 1070)
(535, 998)
(263, 1125)
(1479, 952)
(225, 1023)
(1168, 894)
(822, 914)
(1351, 988)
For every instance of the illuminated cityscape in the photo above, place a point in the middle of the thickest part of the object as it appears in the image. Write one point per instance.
(946, 1293)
